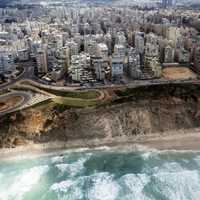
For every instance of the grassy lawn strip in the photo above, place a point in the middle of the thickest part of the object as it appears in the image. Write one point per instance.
(91, 94)
(75, 102)
(81, 95)
(42, 104)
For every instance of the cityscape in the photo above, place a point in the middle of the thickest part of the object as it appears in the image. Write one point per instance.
(99, 99)
(99, 45)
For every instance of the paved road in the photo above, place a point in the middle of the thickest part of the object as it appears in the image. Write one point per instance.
(28, 73)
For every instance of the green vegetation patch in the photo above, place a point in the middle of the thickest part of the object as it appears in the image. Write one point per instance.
(90, 94)
(75, 102)
(42, 104)
(159, 91)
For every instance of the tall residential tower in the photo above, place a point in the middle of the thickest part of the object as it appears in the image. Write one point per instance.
(167, 3)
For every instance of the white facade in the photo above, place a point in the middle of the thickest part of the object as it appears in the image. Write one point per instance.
(134, 68)
(183, 56)
(74, 48)
(102, 50)
(139, 42)
(117, 66)
(152, 50)
(169, 55)
(99, 65)
(41, 59)
(6, 62)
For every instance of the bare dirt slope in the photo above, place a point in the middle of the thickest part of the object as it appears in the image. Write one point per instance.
(141, 112)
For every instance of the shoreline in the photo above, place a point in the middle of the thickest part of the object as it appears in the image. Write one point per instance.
(169, 141)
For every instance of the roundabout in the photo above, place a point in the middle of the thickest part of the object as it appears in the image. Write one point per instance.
(13, 101)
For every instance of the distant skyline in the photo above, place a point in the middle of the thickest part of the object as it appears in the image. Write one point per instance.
(109, 1)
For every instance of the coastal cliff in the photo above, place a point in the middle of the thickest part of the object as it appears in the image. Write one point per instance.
(137, 114)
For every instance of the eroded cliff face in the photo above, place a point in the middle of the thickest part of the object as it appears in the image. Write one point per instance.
(132, 118)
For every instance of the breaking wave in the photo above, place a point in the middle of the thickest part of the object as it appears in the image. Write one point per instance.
(103, 174)
(23, 183)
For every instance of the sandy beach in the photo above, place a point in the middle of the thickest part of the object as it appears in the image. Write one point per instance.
(180, 141)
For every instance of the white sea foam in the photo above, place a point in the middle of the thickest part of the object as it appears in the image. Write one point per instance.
(99, 186)
(179, 185)
(148, 155)
(143, 148)
(197, 160)
(73, 168)
(103, 148)
(57, 159)
(69, 189)
(168, 167)
(23, 183)
(78, 150)
(134, 185)
(62, 186)
(103, 187)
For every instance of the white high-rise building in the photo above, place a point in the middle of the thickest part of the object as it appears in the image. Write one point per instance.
(120, 50)
(59, 40)
(41, 59)
(151, 38)
(102, 50)
(134, 68)
(90, 46)
(120, 38)
(117, 66)
(169, 54)
(99, 65)
(183, 56)
(139, 42)
(6, 62)
(74, 48)
(79, 66)
(151, 50)
(173, 33)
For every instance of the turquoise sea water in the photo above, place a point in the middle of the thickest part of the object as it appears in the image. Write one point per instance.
(103, 175)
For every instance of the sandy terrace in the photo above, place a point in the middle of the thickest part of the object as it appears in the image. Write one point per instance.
(178, 73)
(9, 102)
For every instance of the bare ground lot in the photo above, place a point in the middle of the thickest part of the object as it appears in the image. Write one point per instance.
(173, 73)
(9, 102)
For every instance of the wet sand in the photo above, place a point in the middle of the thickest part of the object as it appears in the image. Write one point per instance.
(181, 141)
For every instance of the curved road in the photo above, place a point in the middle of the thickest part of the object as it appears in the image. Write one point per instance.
(25, 98)
(28, 73)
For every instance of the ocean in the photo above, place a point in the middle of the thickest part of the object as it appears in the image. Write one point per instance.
(102, 174)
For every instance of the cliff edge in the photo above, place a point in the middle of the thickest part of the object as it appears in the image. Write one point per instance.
(137, 113)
